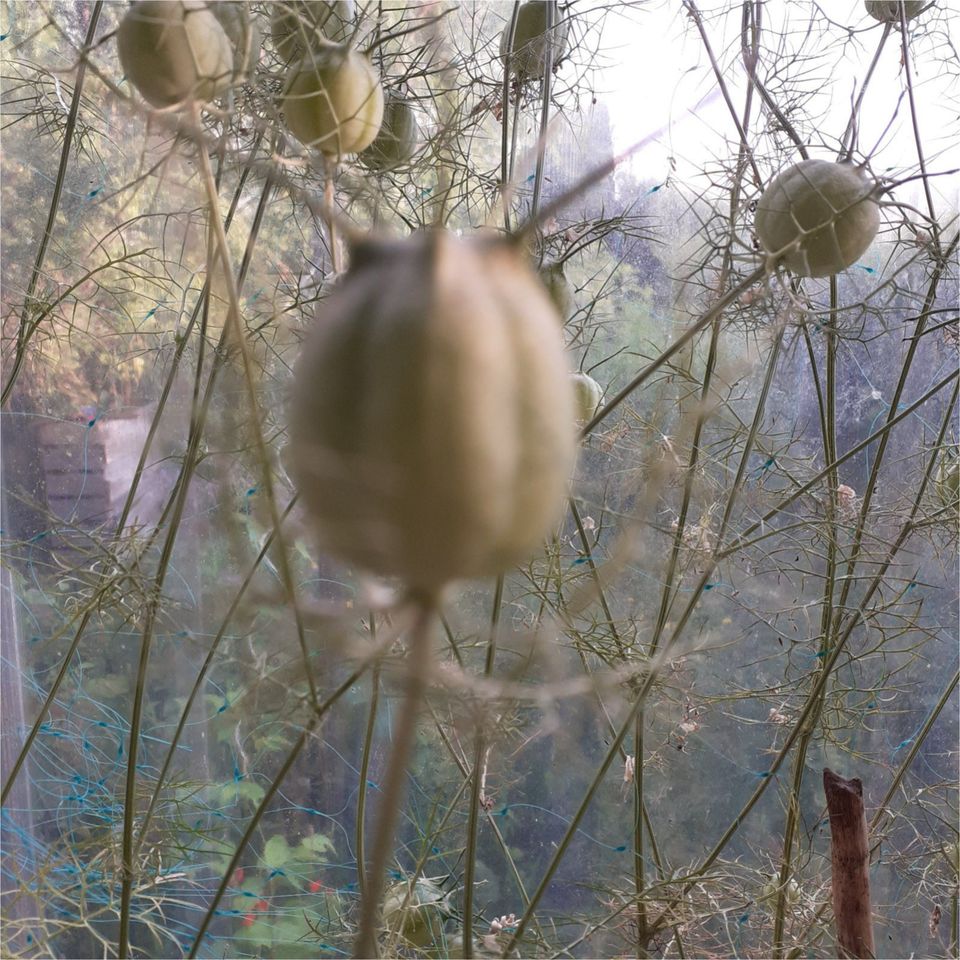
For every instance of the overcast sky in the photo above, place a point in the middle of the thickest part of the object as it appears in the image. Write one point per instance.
(659, 73)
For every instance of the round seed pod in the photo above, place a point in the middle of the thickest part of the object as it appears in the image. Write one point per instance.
(528, 54)
(820, 216)
(947, 480)
(175, 52)
(416, 911)
(432, 419)
(301, 28)
(559, 288)
(334, 101)
(771, 891)
(588, 394)
(399, 135)
(888, 11)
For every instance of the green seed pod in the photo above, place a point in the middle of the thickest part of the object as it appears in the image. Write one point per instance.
(528, 54)
(820, 216)
(398, 138)
(416, 912)
(588, 394)
(174, 52)
(432, 425)
(559, 288)
(334, 101)
(301, 28)
(888, 11)
(947, 481)
(771, 891)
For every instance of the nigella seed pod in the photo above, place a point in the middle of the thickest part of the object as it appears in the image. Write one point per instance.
(333, 101)
(398, 138)
(175, 51)
(432, 429)
(300, 28)
(588, 394)
(818, 217)
(888, 11)
(532, 40)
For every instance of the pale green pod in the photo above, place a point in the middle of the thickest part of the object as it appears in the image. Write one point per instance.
(398, 138)
(947, 480)
(432, 420)
(589, 395)
(416, 912)
(333, 101)
(889, 10)
(819, 217)
(531, 41)
(300, 28)
(175, 52)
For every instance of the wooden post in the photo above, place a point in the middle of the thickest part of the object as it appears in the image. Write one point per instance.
(850, 860)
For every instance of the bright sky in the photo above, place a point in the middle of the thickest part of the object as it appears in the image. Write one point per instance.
(659, 73)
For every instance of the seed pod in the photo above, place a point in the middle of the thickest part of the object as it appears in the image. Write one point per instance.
(947, 480)
(588, 394)
(771, 890)
(528, 54)
(559, 288)
(888, 11)
(820, 216)
(301, 28)
(334, 101)
(416, 912)
(432, 423)
(399, 135)
(174, 52)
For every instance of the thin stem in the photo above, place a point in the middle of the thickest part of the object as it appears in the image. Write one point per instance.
(505, 118)
(417, 667)
(479, 759)
(360, 838)
(26, 327)
(330, 165)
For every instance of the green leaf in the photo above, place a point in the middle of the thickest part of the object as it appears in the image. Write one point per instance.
(250, 791)
(276, 852)
(312, 845)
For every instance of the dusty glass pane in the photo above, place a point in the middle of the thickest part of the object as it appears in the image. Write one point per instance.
(338, 656)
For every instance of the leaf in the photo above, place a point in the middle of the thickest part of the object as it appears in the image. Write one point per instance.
(312, 845)
(276, 852)
(250, 791)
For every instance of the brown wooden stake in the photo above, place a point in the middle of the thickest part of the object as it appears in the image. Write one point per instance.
(850, 859)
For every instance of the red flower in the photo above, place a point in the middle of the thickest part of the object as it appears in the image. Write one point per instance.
(249, 920)
(315, 885)
(261, 905)
(238, 876)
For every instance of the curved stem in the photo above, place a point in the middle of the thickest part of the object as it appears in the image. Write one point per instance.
(505, 119)
(417, 667)
(360, 838)
(479, 760)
